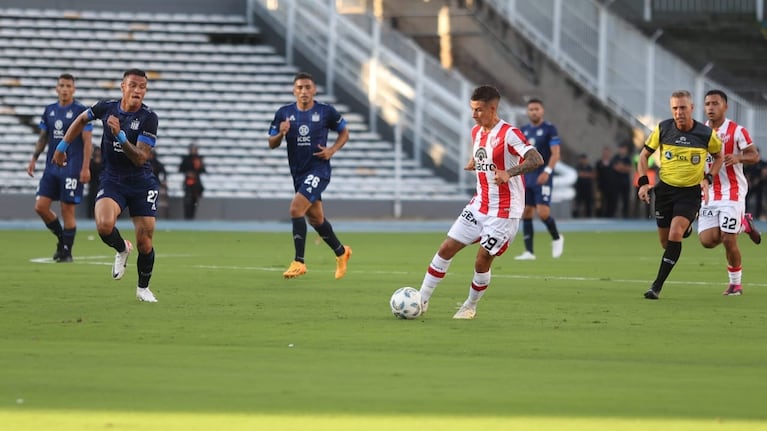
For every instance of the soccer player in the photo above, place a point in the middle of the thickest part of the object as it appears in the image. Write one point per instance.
(62, 183)
(500, 155)
(130, 133)
(304, 124)
(684, 145)
(544, 137)
(723, 217)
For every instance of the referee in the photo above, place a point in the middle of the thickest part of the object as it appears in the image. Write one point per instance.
(684, 145)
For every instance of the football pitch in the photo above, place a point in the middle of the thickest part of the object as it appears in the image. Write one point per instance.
(566, 344)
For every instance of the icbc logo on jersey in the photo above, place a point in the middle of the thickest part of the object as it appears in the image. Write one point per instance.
(303, 135)
(480, 161)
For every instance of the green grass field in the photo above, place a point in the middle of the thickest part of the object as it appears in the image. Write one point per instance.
(557, 345)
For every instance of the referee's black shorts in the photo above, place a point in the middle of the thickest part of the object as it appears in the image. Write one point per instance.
(672, 201)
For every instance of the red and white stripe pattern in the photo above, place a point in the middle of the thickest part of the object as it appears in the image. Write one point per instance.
(501, 148)
(731, 184)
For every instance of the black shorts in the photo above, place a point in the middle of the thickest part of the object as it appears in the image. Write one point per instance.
(672, 201)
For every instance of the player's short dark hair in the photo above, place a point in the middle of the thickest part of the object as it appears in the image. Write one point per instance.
(303, 75)
(485, 93)
(134, 72)
(717, 92)
(535, 100)
(67, 76)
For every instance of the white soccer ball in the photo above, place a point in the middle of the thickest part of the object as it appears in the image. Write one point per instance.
(405, 303)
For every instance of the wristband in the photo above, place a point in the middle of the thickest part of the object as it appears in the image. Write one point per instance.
(709, 178)
(121, 137)
(548, 170)
(62, 146)
(643, 181)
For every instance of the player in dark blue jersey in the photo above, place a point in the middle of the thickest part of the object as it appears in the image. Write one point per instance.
(65, 183)
(130, 133)
(305, 125)
(538, 183)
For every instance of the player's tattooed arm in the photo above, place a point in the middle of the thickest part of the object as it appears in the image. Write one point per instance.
(533, 160)
(138, 153)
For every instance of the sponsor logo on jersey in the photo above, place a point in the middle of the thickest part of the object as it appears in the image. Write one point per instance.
(303, 139)
(481, 161)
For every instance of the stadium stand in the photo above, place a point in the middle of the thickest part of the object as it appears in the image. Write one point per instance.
(218, 94)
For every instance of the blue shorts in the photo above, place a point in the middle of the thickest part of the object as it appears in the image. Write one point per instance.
(140, 196)
(59, 185)
(311, 186)
(538, 194)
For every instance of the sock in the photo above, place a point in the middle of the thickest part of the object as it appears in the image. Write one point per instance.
(145, 264)
(670, 257)
(479, 284)
(55, 228)
(114, 240)
(551, 225)
(527, 229)
(436, 272)
(326, 233)
(299, 237)
(68, 239)
(735, 273)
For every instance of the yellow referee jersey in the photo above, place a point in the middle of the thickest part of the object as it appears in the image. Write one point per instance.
(682, 154)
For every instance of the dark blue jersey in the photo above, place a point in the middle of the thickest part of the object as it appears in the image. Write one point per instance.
(55, 121)
(542, 137)
(308, 131)
(139, 126)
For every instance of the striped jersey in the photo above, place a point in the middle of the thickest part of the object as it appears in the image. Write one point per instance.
(731, 184)
(55, 121)
(308, 131)
(501, 148)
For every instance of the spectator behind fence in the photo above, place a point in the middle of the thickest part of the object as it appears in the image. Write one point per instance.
(192, 166)
(583, 206)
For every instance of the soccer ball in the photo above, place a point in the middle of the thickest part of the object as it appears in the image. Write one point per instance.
(405, 303)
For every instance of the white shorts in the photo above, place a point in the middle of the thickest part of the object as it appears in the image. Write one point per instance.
(725, 215)
(493, 233)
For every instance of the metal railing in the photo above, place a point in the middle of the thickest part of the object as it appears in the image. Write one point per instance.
(627, 70)
(390, 74)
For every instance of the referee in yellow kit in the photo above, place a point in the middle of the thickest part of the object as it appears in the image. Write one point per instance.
(684, 145)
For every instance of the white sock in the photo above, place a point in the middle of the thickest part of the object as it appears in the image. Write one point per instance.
(479, 284)
(735, 274)
(436, 272)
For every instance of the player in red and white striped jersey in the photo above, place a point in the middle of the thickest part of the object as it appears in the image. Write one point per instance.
(723, 216)
(500, 156)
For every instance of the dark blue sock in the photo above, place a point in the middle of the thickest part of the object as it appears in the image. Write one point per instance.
(145, 265)
(551, 225)
(55, 228)
(68, 239)
(299, 237)
(527, 230)
(326, 233)
(114, 240)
